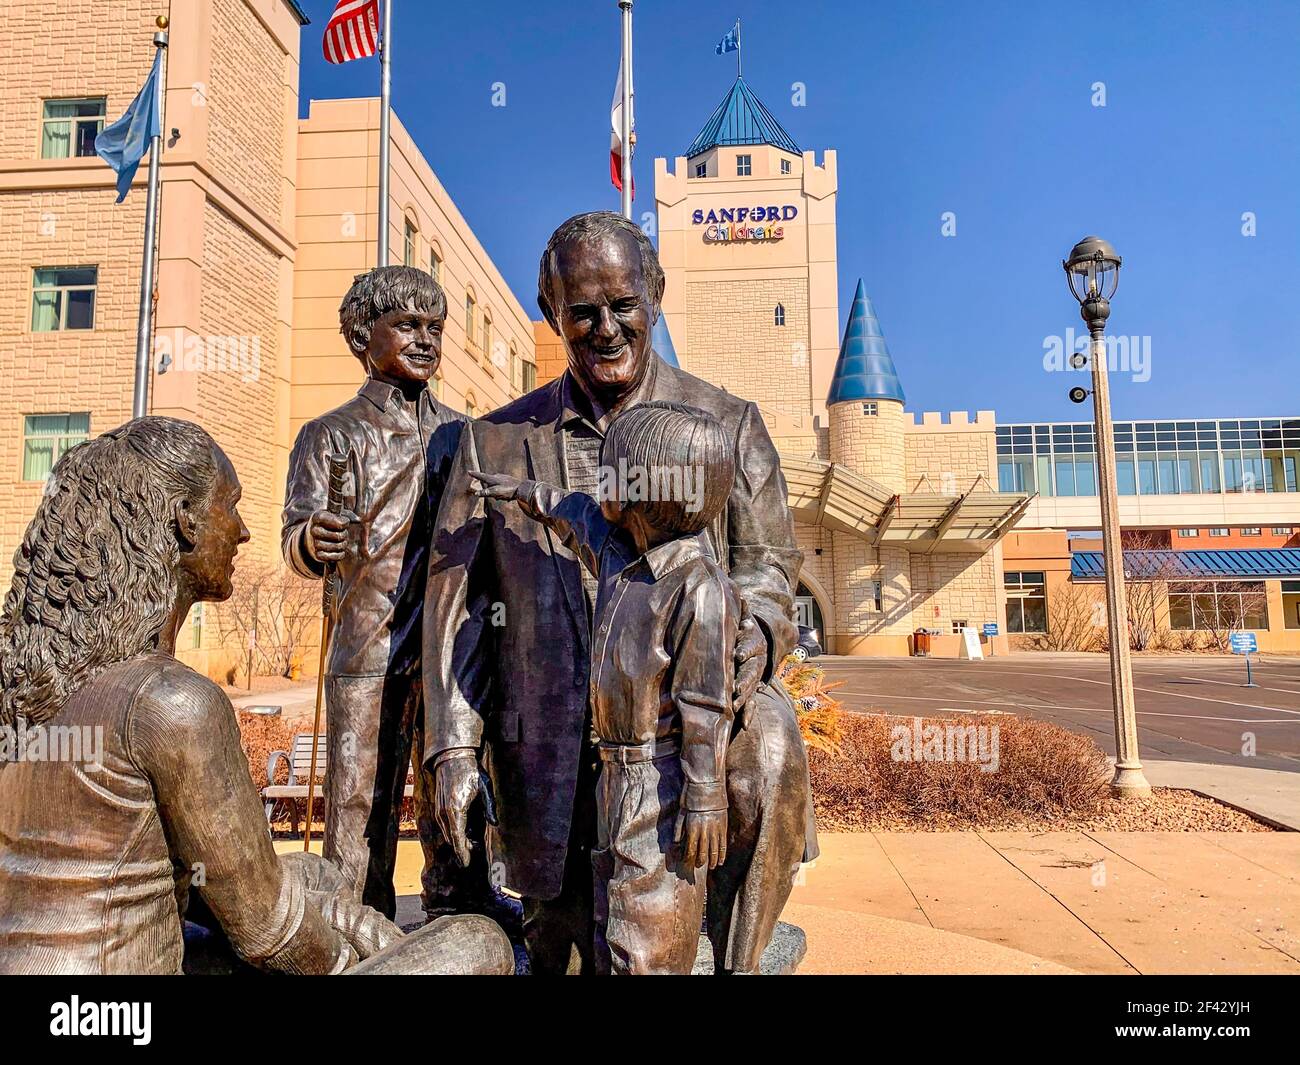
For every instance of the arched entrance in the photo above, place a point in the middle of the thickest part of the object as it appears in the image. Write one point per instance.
(808, 610)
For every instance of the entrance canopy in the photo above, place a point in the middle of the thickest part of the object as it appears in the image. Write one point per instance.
(834, 497)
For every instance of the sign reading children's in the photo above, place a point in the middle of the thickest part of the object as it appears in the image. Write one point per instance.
(728, 225)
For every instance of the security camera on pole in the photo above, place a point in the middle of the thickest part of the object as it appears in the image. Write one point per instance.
(1092, 271)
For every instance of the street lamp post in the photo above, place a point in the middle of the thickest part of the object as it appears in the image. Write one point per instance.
(1092, 271)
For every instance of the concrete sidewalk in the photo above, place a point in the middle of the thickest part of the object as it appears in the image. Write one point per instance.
(1033, 903)
(1103, 902)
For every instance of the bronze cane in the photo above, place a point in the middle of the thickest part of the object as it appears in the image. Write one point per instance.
(338, 464)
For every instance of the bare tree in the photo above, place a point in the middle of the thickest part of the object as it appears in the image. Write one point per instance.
(1220, 608)
(1146, 594)
(273, 611)
(1072, 619)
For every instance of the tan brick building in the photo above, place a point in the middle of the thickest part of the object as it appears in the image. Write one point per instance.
(265, 219)
(904, 520)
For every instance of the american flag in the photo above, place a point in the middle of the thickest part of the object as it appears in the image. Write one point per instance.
(353, 31)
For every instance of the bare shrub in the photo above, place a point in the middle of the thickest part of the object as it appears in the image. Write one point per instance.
(1071, 620)
(259, 735)
(1043, 772)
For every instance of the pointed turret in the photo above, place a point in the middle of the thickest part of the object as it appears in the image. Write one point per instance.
(741, 118)
(662, 342)
(864, 369)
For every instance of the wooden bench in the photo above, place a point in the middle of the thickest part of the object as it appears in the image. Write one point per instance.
(298, 759)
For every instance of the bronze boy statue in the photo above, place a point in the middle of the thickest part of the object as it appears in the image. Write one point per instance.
(399, 440)
(663, 669)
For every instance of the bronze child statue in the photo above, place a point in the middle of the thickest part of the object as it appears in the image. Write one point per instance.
(663, 671)
(105, 842)
(399, 439)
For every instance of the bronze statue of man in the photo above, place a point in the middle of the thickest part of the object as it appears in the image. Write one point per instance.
(103, 840)
(508, 619)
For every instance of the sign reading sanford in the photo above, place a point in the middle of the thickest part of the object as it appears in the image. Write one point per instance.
(728, 224)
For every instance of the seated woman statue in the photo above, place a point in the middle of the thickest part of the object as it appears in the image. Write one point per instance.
(123, 784)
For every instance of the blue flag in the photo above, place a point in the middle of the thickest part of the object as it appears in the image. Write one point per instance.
(123, 144)
(731, 42)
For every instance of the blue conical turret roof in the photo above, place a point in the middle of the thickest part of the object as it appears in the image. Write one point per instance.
(865, 369)
(662, 341)
(741, 118)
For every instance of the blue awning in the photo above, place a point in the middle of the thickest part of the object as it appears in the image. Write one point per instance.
(1278, 563)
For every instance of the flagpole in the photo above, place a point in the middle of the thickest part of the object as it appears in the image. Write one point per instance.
(385, 120)
(626, 136)
(739, 69)
(144, 324)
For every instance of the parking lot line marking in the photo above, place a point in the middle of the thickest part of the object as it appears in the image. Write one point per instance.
(1084, 709)
(1149, 691)
(1238, 684)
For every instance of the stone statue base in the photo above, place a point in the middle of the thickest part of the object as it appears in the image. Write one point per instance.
(782, 957)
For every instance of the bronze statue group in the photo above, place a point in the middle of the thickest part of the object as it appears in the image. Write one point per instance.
(577, 668)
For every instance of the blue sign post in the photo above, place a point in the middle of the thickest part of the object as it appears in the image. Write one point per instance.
(1244, 643)
(990, 630)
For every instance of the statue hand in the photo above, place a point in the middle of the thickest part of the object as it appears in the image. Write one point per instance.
(494, 485)
(751, 659)
(455, 786)
(326, 540)
(704, 838)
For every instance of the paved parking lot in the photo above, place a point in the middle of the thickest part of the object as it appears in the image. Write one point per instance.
(1190, 708)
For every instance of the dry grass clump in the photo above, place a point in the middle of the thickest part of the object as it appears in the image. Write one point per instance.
(1044, 773)
(817, 712)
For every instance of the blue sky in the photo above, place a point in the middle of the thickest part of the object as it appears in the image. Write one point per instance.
(985, 110)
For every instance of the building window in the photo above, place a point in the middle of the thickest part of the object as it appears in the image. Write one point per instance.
(63, 297)
(47, 437)
(469, 319)
(408, 250)
(870, 409)
(701, 169)
(958, 625)
(778, 316)
(1251, 530)
(514, 366)
(1189, 532)
(1026, 601)
(488, 353)
(1219, 532)
(878, 596)
(435, 265)
(1282, 530)
(69, 127)
(1218, 606)
(744, 165)
(437, 386)
(785, 166)
(530, 376)
(471, 405)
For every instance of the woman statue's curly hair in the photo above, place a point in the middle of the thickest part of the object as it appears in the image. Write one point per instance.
(96, 576)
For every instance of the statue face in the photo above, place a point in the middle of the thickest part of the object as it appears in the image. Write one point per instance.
(215, 537)
(405, 347)
(603, 312)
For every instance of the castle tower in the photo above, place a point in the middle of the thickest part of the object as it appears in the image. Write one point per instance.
(746, 230)
(662, 342)
(865, 407)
